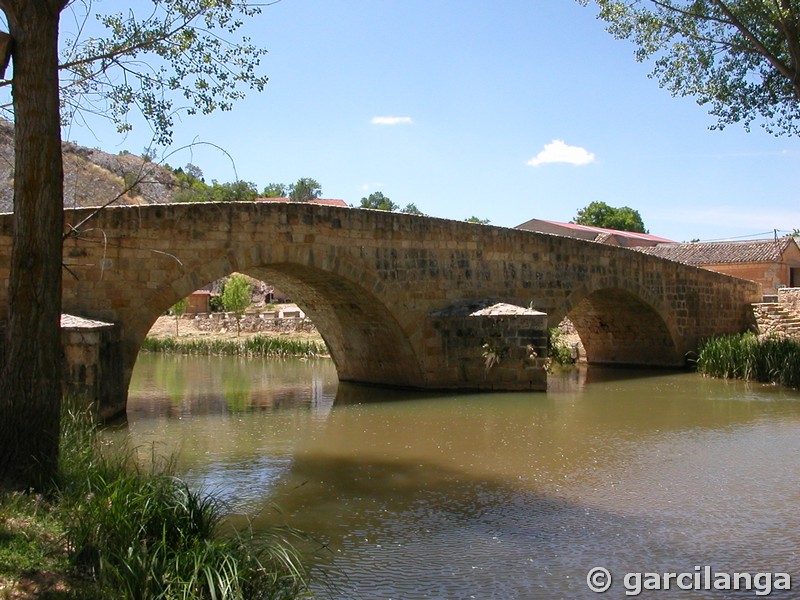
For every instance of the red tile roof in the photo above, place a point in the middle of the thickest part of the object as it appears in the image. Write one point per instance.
(606, 231)
(710, 253)
(323, 201)
(597, 234)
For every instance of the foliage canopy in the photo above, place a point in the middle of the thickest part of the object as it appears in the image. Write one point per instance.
(305, 189)
(174, 56)
(600, 214)
(739, 57)
(379, 201)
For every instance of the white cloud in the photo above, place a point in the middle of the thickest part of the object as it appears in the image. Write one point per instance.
(392, 121)
(559, 152)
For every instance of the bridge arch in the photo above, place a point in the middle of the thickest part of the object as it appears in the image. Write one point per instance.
(366, 341)
(618, 326)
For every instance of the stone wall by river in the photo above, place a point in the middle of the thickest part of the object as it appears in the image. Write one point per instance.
(251, 322)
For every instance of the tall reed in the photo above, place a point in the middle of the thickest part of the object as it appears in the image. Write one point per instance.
(145, 534)
(745, 356)
(255, 346)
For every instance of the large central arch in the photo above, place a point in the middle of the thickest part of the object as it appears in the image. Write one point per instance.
(366, 341)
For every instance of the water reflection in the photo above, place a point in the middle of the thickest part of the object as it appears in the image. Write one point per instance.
(490, 495)
(206, 385)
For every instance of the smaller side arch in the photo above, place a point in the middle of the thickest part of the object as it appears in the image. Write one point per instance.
(617, 326)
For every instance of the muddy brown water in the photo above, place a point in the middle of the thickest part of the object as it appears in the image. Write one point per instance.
(515, 495)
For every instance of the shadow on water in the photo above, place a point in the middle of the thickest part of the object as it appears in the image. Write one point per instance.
(348, 393)
(419, 530)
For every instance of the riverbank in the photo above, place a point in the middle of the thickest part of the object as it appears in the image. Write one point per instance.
(218, 334)
(111, 528)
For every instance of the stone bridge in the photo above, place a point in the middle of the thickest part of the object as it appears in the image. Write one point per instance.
(396, 297)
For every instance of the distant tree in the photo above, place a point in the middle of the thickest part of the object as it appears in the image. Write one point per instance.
(276, 190)
(741, 57)
(194, 171)
(305, 189)
(177, 310)
(236, 297)
(600, 214)
(411, 209)
(474, 219)
(238, 191)
(192, 188)
(378, 201)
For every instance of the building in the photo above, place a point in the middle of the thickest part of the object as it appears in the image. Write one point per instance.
(613, 237)
(774, 263)
(199, 301)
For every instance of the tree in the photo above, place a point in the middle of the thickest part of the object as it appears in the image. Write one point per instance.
(177, 310)
(236, 297)
(741, 57)
(305, 189)
(192, 188)
(411, 209)
(275, 190)
(30, 384)
(474, 219)
(107, 75)
(600, 214)
(378, 201)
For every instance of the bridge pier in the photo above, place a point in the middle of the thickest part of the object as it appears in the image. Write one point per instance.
(93, 369)
(488, 346)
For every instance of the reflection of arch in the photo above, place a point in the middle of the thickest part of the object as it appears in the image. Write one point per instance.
(617, 326)
(366, 341)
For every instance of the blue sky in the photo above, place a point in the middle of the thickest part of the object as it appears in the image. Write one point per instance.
(505, 110)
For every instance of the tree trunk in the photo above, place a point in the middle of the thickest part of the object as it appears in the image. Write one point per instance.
(30, 382)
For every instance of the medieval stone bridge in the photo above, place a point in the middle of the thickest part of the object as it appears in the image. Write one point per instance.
(392, 294)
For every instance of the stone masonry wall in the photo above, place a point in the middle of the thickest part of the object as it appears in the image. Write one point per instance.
(790, 299)
(253, 322)
(371, 281)
(781, 318)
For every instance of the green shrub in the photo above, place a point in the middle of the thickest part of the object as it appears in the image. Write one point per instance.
(558, 349)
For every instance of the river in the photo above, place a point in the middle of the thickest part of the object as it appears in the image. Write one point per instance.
(513, 495)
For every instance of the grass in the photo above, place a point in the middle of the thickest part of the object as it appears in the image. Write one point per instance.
(116, 530)
(745, 356)
(255, 346)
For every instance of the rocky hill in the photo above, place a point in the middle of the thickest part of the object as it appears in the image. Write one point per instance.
(93, 177)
